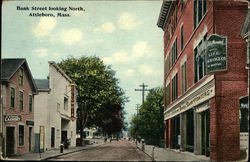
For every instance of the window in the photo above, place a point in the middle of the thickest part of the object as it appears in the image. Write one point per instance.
(12, 97)
(200, 57)
(182, 38)
(21, 135)
(58, 107)
(174, 52)
(184, 77)
(175, 87)
(200, 8)
(167, 65)
(30, 103)
(167, 97)
(20, 100)
(20, 76)
(66, 101)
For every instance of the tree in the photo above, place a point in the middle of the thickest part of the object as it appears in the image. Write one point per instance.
(99, 96)
(149, 122)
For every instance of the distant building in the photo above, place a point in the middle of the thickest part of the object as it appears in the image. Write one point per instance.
(18, 90)
(55, 110)
(205, 78)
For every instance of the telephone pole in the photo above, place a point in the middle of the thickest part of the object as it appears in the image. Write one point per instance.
(143, 91)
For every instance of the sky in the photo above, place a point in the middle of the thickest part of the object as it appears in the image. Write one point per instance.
(124, 34)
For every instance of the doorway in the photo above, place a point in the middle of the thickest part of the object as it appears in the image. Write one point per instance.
(52, 137)
(205, 132)
(30, 139)
(10, 141)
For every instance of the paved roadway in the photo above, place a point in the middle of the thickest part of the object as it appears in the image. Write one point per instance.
(122, 150)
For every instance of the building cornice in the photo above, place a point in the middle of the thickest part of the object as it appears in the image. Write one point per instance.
(164, 14)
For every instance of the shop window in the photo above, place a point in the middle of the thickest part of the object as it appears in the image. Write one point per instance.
(190, 130)
(167, 97)
(200, 8)
(176, 132)
(200, 60)
(21, 135)
(184, 77)
(182, 38)
(174, 52)
(20, 100)
(244, 114)
(30, 103)
(175, 87)
(20, 76)
(12, 97)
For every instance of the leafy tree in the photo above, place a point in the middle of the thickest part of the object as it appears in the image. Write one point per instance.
(100, 99)
(149, 122)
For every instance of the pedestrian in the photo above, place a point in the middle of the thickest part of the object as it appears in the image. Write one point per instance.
(105, 139)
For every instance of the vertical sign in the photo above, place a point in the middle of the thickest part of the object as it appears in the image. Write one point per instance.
(216, 53)
(72, 100)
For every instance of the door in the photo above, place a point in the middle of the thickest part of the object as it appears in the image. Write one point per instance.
(64, 136)
(205, 127)
(10, 140)
(30, 138)
(52, 137)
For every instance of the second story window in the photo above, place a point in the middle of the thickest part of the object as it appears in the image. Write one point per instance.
(200, 8)
(174, 52)
(12, 97)
(20, 100)
(167, 65)
(175, 87)
(30, 103)
(184, 77)
(66, 102)
(199, 62)
(20, 76)
(167, 95)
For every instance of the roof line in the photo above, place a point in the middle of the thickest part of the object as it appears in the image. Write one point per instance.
(61, 71)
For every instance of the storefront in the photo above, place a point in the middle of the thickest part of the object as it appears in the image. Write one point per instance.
(188, 122)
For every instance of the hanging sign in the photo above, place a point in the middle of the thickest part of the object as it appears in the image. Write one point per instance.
(216, 53)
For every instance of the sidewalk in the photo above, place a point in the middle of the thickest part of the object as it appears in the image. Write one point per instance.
(52, 153)
(164, 154)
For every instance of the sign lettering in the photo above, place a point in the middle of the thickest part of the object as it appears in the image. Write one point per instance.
(216, 53)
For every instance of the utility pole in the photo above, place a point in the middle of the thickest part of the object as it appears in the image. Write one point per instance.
(143, 91)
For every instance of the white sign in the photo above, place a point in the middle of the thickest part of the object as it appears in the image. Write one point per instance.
(243, 140)
(11, 118)
(200, 98)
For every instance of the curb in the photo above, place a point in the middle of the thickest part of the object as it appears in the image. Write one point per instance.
(54, 156)
(146, 153)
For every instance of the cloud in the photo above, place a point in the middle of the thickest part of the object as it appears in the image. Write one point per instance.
(127, 21)
(107, 27)
(70, 36)
(145, 70)
(116, 58)
(141, 49)
(41, 52)
(44, 27)
(130, 72)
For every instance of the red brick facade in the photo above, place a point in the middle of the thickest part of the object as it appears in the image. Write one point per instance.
(223, 18)
(26, 115)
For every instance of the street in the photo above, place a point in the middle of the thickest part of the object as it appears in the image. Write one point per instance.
(114, 151)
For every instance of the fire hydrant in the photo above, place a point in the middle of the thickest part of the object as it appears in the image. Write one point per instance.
(61, 148)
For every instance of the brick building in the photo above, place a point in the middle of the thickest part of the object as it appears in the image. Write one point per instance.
(205, 78)
(18, 90)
